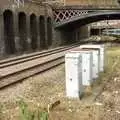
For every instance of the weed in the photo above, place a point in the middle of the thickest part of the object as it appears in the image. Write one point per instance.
(26, 114)
(1, 114)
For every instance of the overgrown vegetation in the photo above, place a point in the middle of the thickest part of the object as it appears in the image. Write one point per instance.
(26, 114)
(1, 114)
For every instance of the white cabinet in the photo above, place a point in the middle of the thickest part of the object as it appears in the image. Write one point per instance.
(73, 62)
(95, 64)
(93, 61)
(102, 52)
(86, 65)
(82, 65)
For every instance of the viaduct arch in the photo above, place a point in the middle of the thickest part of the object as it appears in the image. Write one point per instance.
(23, 30)
(9, 32)
(33, 31)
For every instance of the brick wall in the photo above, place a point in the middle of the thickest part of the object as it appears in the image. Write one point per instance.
(91, 2)
(28, 9)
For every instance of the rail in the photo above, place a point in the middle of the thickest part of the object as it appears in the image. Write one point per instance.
(18, 70)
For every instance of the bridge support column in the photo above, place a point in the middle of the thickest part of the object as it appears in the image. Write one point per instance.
(57, 38)
(16, 32)
(28, 39)
(38, 35)
(46, 37)
(80, 33)
(61, 37)
(53, 40)
(95, 31)
(2, 44)
(76, 35)
(84, 32)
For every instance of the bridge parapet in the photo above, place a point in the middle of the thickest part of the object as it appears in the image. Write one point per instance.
(62, 15)
(66, 14)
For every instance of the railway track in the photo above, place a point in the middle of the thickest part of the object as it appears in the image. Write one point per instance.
(24, 58)
(17, 69)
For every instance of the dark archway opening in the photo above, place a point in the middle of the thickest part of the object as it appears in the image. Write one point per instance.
(118, 1)
(94, 32)
(22, 31)
(42, 32)
(33, 31)
(49, 31)
(9, 36)
(78, 35)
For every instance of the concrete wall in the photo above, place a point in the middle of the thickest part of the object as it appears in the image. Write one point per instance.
(81, 33)
(68, 36)
(62, 37)
(84, 31)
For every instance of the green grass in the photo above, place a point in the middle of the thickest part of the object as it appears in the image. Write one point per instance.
(1, 113)
(26, 114)
(112, 62)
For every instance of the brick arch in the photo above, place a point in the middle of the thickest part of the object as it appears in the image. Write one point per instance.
(9, 37)
(33, 31)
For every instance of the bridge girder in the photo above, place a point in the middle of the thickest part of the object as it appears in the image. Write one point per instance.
(73, 17)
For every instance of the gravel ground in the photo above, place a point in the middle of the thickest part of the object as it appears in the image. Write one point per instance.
(38, 92)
